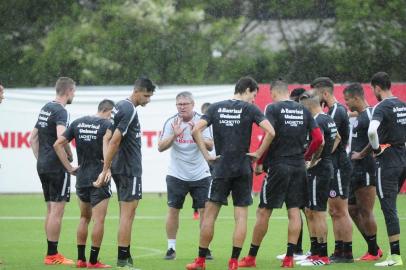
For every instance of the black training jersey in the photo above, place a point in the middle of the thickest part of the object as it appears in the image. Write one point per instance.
(391, 113)
(88, 132)
(232, 125)
(128, 158)
(359, 136)
(339, 114)
(292, 123)
(50, 116)
(329, 129)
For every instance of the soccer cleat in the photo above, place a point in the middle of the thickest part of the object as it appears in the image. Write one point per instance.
(369, 257)
(81, 264)
(130, 260)
(209, 256)
(170, 254)
(57, 259)
(320, 261)
(198, 264)
(287, 262)
(296, 256)
(125, 265)
(341, 258)
(98, 265)
(391, 260)
(248, 261)
(233, 264)
(308, 259)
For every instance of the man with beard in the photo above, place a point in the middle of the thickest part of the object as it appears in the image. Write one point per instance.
(387, 136)
(52, 122)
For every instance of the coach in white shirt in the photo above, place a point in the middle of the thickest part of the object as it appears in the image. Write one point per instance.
(188, 170)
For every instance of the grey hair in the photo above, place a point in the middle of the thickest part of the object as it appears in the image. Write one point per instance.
(185, 94)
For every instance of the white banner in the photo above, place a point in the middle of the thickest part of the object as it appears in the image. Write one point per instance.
(19, 112)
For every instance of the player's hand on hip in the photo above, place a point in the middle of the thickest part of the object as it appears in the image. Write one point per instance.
(381, 149)
(100, 179)
(356, 156)
(73, 170)
(254, 156)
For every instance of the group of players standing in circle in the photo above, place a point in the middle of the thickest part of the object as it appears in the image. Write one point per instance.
(303, 149)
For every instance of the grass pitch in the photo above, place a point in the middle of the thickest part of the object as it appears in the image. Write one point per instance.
(23, 242)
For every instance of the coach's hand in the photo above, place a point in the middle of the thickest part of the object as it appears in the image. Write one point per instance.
(212, 159)
(176, 126)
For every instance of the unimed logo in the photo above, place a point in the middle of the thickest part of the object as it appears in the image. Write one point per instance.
(15, 139)
(20, 139)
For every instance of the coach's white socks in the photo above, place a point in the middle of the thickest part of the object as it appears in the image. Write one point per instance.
(172, 244)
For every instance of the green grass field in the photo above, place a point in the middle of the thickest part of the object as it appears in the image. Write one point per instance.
(22, 240)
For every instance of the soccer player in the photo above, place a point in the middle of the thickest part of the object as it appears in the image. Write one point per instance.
(298, 255)
(362, 189)
(339, 188)
(319, 175)
(296, 94)
(52, 122)
(188, 170)
(91, 134)
(232, 121)
(123, 156)
(387, 136)
(286, 178)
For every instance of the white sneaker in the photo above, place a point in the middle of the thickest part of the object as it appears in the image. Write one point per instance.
(391, 260)
(296, 257)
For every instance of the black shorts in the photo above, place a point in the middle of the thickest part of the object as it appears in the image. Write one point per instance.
(318, 186)
(363, 175)
(178, 189)
(340, 186)
(284, 184)
(55, 186)
(129, 188)
(93, 195)
(240, 188)
(389, 180)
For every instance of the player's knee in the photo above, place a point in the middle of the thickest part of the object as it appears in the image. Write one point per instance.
(309, 214)
(337, 213)
(84, 218)
(262, 215)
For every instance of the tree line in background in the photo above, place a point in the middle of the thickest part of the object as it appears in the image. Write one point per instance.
(104, 42)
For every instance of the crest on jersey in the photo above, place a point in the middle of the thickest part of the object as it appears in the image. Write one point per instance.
(333, 194)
